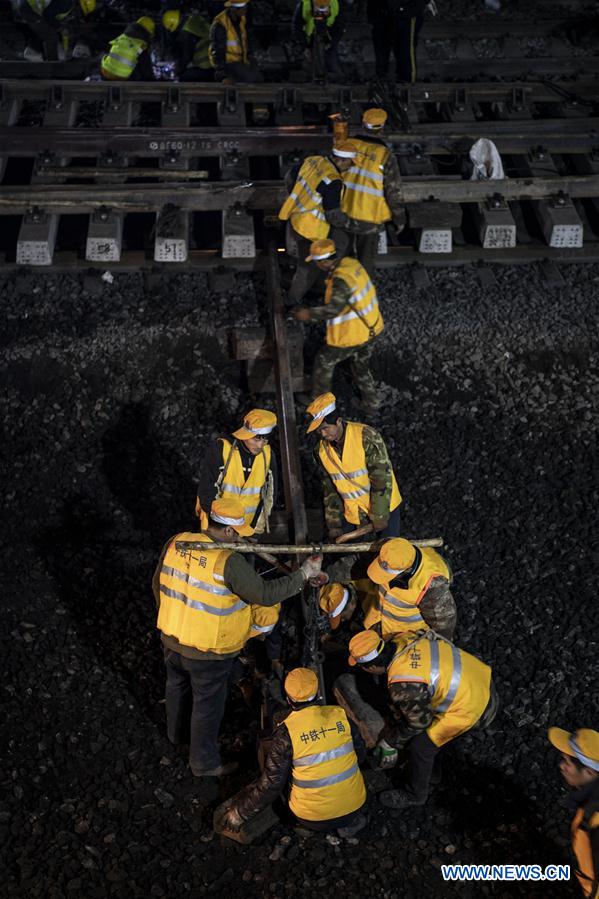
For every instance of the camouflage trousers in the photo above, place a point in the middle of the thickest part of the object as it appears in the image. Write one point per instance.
(329, 357)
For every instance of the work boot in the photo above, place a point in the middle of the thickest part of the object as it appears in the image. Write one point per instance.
(397, 799)
(219, 771)
(352, 829)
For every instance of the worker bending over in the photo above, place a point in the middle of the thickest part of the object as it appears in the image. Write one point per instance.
(358, 483)
(313, 210)
(48, 24)
(318, 25)
(437, 692)
(191, 39)
(579, 767)
(413, 589)
(229, 50)
(128, 57)
(204, 600)
(372, 194)
(318, 751)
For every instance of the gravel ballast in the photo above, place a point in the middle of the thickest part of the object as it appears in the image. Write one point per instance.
(109, 394)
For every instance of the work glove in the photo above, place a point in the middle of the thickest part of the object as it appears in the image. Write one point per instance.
(385, 756)
(231, 820)
(320, 580)
(379, 524)
(301, 314)
(311, 567)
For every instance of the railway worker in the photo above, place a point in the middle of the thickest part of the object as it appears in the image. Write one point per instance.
(243, 465)
(191, 41)
(372, 190)
(579, 767)
(353, 322)
(204, 604)
(396, 26)
(358, 482)
(437, 692)
(318, 25)
(47, 25)
(317, 750)
(313, 210)
(351, 606)
(229, 49)
(128, 57)
(413, 589)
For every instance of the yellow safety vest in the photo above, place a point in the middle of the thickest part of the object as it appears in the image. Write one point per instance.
(196, 606)
(364, 193)
(40, 6)
(236, 51)
(399, 607)
(581, 844)
(121, 59)
(264, 619)
(349, 473)
(303, 206)
(235, 483)
(198, 26)
(458, 682)
(327, 782)
(361, 319)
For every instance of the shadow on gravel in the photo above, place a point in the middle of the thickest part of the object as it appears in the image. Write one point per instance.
(144, 477)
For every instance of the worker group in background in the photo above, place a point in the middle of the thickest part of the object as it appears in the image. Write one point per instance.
(51, 28)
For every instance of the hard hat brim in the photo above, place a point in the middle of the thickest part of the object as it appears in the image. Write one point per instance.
(560, 739)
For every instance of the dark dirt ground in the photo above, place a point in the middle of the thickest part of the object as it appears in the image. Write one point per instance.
(109, 393)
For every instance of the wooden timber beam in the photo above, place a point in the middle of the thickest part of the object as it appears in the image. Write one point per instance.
(85, 198)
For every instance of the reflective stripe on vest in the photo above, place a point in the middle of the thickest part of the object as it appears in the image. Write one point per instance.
(236, 51)
(361, 319)
(236, 483)
(393, 600)
(326, 781)
(196, 606)
(349, 473)
(264, 619)
(458, 683)
(303, 206)
(364, 184)
(121, 59)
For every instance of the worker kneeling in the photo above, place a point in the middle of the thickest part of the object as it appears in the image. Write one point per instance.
(319, 750)
(437, 692)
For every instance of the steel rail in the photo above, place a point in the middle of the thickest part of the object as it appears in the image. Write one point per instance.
(75, 199)
(556, 135)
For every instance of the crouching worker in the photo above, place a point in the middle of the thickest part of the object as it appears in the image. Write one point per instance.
(317, 751)
(437, 692)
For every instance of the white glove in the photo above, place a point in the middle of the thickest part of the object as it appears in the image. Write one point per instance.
(311, 567)
(432, 8)
(81, 51)
(385, 755)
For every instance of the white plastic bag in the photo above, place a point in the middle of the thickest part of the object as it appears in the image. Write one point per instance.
(486, 161)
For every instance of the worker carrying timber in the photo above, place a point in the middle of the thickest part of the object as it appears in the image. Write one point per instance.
(229, 50)
(313, 210)
(318, 24)
(413, 589)
(579, 767)
(318, 750)
(437, 692)
(353, 322)
(49, 24)
(190, 37)
(358, 483)
(128, 57)
(242, 465)
(372, 190)
(204, 601)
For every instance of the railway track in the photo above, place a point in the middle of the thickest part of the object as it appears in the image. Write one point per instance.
(144, 174)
